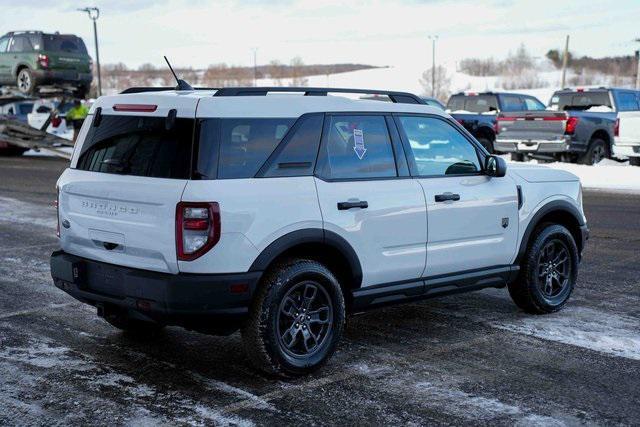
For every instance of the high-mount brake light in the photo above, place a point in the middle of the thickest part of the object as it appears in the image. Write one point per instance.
(197, 229)
(138, 108)
(570, 127)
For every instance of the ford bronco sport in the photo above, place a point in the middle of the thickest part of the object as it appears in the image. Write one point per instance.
(33, 59)
(280, 213)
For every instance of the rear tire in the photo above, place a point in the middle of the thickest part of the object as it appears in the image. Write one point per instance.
(548, 272)
(487, 144)
(634, 161)
(26, 81)
(596, 152)
(517, 157)
(295, 320)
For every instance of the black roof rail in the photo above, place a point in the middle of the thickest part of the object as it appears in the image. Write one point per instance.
(394, 96)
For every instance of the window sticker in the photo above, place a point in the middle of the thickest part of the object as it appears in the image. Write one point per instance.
(358, 141)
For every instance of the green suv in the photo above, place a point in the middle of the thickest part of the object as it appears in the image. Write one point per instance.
(33, 59)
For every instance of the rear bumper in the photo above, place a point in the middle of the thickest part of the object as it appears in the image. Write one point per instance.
(46, 77)
(207, 302)
(565, 145)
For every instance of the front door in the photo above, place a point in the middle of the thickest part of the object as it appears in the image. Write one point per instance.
(364, 200)
(473, 218)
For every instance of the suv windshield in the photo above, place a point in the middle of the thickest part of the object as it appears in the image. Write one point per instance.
(69, 44)
(473, 103)
(580, 100)
(140, 146)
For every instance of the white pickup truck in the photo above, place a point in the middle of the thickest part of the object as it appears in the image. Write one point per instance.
(627, 143)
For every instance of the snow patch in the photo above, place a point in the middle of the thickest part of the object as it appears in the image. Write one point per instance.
(17, 211)
(582, 327)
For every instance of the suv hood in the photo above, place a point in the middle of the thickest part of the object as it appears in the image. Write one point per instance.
(539, 173)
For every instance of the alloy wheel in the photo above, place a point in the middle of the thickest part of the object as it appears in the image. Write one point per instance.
(304, 319)
(554, 268)
(24, 81)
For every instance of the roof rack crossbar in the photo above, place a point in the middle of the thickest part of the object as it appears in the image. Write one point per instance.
(394, 96)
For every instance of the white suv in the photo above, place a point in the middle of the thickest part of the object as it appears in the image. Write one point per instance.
(280, 213)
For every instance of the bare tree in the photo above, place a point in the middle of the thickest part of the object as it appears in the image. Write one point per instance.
(442, 83)
(297, 74)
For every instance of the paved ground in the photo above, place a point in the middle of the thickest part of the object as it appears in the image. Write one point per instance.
(471, 358)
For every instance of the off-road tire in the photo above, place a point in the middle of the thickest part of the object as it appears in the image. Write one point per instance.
(596, 152)
(634, 161)
(525, 290)
(263, 345)
(26, 82)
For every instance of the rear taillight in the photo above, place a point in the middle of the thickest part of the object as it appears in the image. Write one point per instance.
(496, 127)
(43, 60)
(616, 128)
(570, 127)
(197, 229)
(56, 204)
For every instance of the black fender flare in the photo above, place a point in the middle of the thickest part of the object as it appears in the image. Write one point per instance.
(307, 236)
(555, 205)
(19, 65)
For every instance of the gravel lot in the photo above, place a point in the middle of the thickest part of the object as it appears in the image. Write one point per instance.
(467, 359)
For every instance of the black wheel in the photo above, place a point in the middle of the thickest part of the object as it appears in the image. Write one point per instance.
(634, 161)
(517, 157)
(132, 326)
(12, 151)
(487, 144)
(26, 82)
(296, 319)
(596, 152)
(548, 272)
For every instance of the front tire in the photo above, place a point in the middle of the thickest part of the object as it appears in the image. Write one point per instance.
(296, 319)
(634, 161)
(26, 81)
(548, 272)
(487, 144)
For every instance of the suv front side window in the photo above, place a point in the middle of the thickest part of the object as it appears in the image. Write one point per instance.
(438, 148)
(356, 147)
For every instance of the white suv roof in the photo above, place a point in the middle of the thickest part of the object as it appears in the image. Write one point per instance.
(210, 103)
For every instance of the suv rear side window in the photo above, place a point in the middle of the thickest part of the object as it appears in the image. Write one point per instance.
(245, 144)
(140, 146)
(438, 148)
(356, 147)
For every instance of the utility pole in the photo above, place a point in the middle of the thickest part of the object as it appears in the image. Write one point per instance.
(433, 64)
(94, 14)
(565, 60)
(255, 66)
(638, 72)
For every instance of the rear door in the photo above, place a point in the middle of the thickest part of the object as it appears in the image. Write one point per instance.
(473, 218)
(118, 200)
(367, 198)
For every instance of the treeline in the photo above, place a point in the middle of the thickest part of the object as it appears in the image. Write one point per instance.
(119, 76)
(612, 65)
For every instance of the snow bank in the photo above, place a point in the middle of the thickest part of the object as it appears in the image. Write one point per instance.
(606, 175)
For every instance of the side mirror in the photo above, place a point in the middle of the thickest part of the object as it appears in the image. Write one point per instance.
(495, 166)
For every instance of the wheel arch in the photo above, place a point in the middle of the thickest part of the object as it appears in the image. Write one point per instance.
(20, 66)
(322, 245)
(486, 132)
(557, 212)
(604, 135)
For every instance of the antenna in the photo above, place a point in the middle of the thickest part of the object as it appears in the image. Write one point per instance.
(182, 85)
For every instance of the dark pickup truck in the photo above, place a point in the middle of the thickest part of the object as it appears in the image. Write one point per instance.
(477, 112)
(580, 125)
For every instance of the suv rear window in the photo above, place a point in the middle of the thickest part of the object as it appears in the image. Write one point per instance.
(70, 44)
(140, 146)
(580, 100)
(473, 103)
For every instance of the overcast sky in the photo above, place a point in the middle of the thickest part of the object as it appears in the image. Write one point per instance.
(198, 32)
